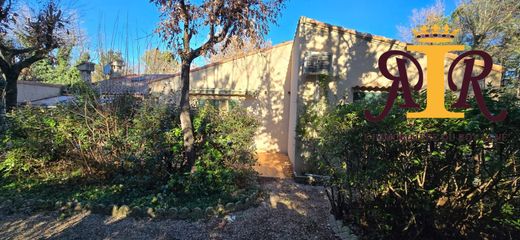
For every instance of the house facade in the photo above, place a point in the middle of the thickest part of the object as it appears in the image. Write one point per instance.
(275, 84)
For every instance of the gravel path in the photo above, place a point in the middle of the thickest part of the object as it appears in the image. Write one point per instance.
(292, 211)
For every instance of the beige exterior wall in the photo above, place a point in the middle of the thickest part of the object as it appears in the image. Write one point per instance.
(277, 89)
(295, 70)
(354, 64)
(262, 75)
(355, 57)
(33, 91)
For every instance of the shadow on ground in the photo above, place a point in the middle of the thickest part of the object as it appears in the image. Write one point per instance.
(290, 211)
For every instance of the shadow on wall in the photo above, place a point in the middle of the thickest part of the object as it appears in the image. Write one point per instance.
(264, 73)
(354, 58)
(354, 63)
(271, 106)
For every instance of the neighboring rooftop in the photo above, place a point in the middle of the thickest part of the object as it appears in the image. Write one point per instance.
(130, 84)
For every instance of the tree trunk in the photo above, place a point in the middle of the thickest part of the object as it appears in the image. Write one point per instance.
(3, 126)
(11, 90)
(185, 117)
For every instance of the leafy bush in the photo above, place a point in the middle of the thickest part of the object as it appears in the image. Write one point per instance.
(31, 143)
(226, 150)
(95, 137)
(428, 188)
(137, 144)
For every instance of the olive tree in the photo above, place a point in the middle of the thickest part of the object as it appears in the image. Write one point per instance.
(185, 23)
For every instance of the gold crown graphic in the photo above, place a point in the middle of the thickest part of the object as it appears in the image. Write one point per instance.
(435, 34)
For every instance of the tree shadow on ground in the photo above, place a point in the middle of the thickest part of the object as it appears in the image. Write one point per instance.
(288, 211)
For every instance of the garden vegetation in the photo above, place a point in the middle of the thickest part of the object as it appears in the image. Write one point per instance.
(423, 188)
(128, 152)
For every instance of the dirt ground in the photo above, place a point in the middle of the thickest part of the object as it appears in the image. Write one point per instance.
(292, 211)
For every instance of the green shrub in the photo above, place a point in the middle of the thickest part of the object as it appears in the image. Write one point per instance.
(225, 151)
(430, 189)
(134, 143)
(31, 143)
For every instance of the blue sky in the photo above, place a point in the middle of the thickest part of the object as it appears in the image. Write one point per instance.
(101, 17)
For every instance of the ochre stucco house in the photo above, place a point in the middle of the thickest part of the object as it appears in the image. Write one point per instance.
(275, 83)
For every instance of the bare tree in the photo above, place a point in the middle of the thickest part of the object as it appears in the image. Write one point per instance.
(24, 41)
(492, 26)
(489, 25)
(5, 9)
(184, 23)
(159, 62)
(427, 16)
